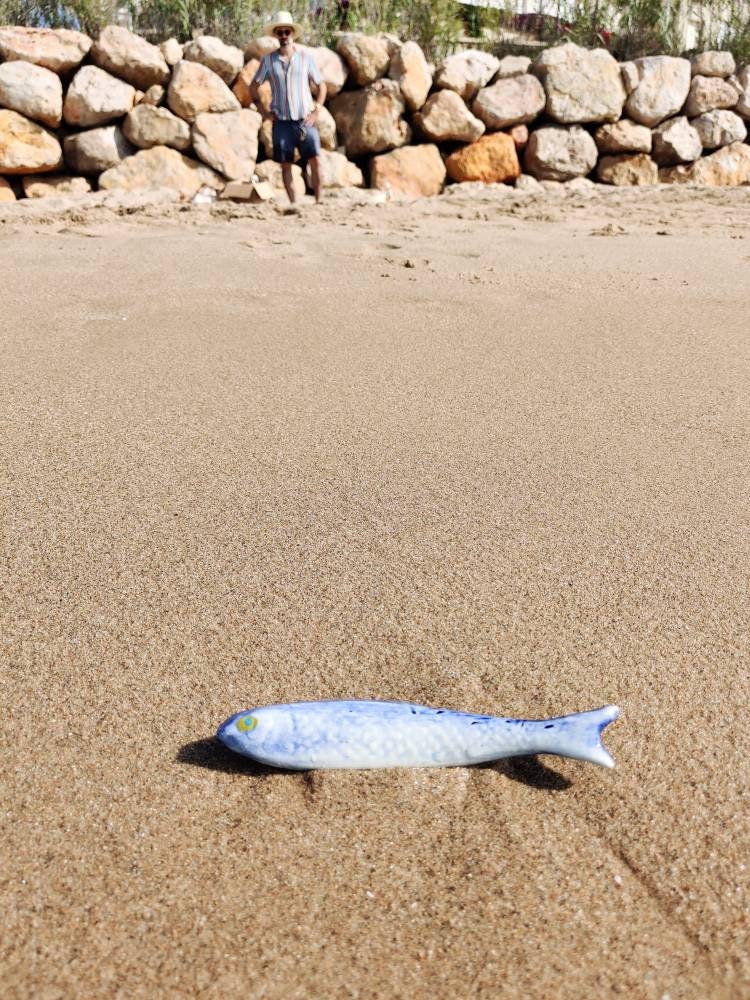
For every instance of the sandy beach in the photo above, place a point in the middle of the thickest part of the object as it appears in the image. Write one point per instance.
(485, 451)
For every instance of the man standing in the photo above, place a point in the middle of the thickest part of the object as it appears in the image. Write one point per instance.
(294, 113)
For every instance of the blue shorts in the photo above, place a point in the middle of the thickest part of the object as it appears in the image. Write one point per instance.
(290, 135)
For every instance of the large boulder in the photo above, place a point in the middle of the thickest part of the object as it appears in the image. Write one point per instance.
(512, 66)
(466, 72)
(271, 173)
(146, 126)
(31, 90)
(26, 147)
(171, 50)
(707, 93)
(58, 49)
(445, 118)
(414, 171)
(719, 128)
(228, 142)
(195, 88)
(96, 149)
(130, 57)
(556, 153)
(95, 97)
(492, 159)
(366, 56)
(331, 68)
(675, 141)
(511, 101)
(160, 167)
(657, 88)
(337, 172)
(623, 137)
(256, 48)
(582, 85)
(629, 170)
(742, 107)
(727, 167)
(369, 120)
(225, 60)
(54, 186)
(6, 190)
(712, 64)
(327, 130)
(410, 70)
(241, 88)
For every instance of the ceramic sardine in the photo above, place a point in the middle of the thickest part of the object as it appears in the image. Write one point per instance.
(369, 734)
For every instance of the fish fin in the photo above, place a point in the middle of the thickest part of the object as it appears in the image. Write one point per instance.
(579, 735)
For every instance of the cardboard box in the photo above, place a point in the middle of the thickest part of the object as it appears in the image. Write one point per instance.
(247, 191)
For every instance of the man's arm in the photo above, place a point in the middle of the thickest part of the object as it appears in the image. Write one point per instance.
(317, 87)
(261, 75)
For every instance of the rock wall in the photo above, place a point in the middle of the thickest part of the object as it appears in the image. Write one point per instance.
(121, 113)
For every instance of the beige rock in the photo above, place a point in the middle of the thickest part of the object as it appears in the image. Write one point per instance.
(411, 72)
(742, 106)
(512, 66)
(54, 185)
(628, 170)
(195, 88)
(171, 50)
(392, 42)
(154, 95)
(256, 48)
(327, 129)
(624, 136)
(414, 171)
(130, 57)
(225, 60)
(95, 97)
(515, 100)
(332, 69)
(708, 93)
(369, 120)
(466, 72)
(228, 142)
(492, 159)
(555, 153)
(528, 184)
(661, 87)
(675, 141)
(26, 147)
(719, 128)
(271, 172)
(727, 167)
(582, 85)
(336, 171)
(31, 90)
(520, 136)
(160, 167)
(6, 191)
(241, 88)
(96, 149)
(59, 50)
(712, 64)
(445, 118)
(367, 57)
(146, 126)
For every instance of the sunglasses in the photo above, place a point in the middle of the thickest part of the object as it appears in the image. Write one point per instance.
(283, 32)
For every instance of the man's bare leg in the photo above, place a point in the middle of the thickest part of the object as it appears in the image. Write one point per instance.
(315, 176)
(286, 174)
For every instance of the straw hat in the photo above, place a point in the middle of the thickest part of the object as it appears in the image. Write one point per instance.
(282, 19)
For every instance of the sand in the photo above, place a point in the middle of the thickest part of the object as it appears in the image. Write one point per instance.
(486, 452)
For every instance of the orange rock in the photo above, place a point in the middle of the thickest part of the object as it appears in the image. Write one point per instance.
(414, 171)
(492, 159)
(241, 87)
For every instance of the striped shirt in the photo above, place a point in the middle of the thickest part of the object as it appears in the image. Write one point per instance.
(291, 99)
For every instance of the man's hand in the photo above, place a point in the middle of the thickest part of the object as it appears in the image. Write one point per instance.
(313, 116)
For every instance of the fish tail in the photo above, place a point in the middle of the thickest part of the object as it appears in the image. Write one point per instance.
(579, 735)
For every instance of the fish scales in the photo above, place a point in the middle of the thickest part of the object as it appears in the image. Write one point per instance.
(377, 734)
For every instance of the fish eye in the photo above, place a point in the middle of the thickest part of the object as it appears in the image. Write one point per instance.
(247, 723)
